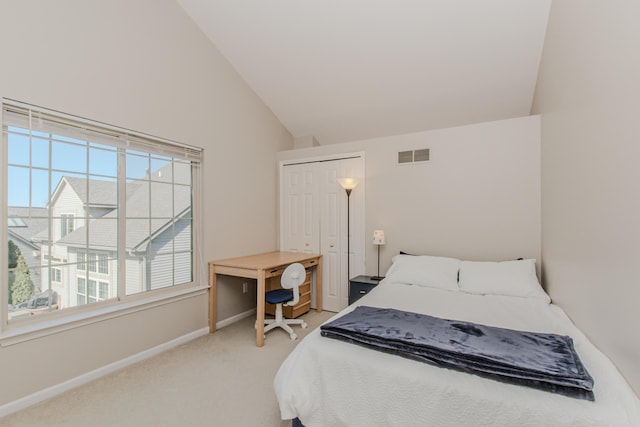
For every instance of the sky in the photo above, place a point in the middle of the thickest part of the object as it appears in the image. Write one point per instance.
(31, 178)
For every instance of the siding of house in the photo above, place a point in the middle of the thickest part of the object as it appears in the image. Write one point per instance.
(67, 203)
(164, 268)
(134, 275)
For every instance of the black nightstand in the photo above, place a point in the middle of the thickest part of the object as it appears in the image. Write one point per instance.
(359, 286)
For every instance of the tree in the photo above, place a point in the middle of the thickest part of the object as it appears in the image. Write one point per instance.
(22, 288)
(14, 253)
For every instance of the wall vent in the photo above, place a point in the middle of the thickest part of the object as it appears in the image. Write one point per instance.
(413, 156)
(405, 157)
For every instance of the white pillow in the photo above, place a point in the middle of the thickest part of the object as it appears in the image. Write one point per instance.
(512, 278)
(429, 271)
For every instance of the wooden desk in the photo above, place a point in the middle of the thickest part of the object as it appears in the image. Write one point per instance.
(260, 267)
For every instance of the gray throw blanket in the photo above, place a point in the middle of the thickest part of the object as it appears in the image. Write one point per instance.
(544, 361)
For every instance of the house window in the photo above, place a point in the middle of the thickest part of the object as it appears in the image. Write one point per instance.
(66, 224)
(16, 223)
(92, 261)
(82, 258)
(56, 275)
(134, 200)
(103, 264)
(92, 291)
(81, 291)
(95, 291)
(103, 290)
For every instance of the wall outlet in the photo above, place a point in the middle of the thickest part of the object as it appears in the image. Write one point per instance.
(245, 287)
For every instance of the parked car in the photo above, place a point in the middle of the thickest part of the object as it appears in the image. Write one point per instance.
(40, 303)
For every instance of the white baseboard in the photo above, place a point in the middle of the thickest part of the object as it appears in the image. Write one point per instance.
(57, 389)
(233, 319)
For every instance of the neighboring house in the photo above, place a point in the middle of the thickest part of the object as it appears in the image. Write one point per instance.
(23, 225)
(85, 234)
(73, 201)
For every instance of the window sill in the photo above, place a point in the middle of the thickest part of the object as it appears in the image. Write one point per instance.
(22, 333)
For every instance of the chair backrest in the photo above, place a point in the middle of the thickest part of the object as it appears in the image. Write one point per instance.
(292, 277)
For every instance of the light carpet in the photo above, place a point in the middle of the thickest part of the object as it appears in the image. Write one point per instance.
(216, 380)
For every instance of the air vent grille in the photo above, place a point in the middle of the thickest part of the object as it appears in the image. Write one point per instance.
(405, 157)
(413, 156)
(421, 155)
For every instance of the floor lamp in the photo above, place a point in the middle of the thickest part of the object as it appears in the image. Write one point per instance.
(348, 184)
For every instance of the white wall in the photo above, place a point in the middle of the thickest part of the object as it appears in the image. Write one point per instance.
(477, 198)
(587, 95)
(143, 65)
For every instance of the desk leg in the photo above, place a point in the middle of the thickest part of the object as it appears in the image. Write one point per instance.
(319, 285)
(260, 309)
(212, 298)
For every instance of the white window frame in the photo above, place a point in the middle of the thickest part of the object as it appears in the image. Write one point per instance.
(102, 284)
(53, 322)
(82, 293)
(56, 274)
(102, 263)
(92, 261)
(81, 264)
(65, 220)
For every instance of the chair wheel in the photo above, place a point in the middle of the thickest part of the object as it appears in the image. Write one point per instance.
(293, 337)
(304, 326)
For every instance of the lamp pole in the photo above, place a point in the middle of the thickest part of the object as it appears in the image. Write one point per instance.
(348, 190)
(348, 184)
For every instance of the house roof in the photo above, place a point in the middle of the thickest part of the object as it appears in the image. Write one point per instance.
(150, 210)
(99, 192)
(35, 221)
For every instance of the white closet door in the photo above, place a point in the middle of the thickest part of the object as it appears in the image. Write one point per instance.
(333, 231)
(313, 219)
(300, 209)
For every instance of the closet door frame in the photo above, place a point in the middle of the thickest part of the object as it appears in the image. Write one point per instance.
(333, 278)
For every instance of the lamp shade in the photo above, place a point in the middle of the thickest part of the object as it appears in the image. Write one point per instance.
(378, 237)
(348, 183)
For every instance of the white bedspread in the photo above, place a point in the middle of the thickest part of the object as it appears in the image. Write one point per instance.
(326, 382)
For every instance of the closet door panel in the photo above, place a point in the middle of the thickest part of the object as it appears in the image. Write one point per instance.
(331, 227)
(299, 216)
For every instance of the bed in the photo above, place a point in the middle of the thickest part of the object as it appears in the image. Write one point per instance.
(327, 382)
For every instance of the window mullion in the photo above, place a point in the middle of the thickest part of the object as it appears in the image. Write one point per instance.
(4, 232)
(122, 224)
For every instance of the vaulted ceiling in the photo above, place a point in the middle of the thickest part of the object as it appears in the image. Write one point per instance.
(344, 70)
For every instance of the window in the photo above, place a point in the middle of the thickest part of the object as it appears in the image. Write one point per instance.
(92, 261)
(133, 200)
(103, 264)
(82, 257)
(92, 291)
(103, 290)
(81, 291)
(56, 275)
(66, 224)
(16, 222)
